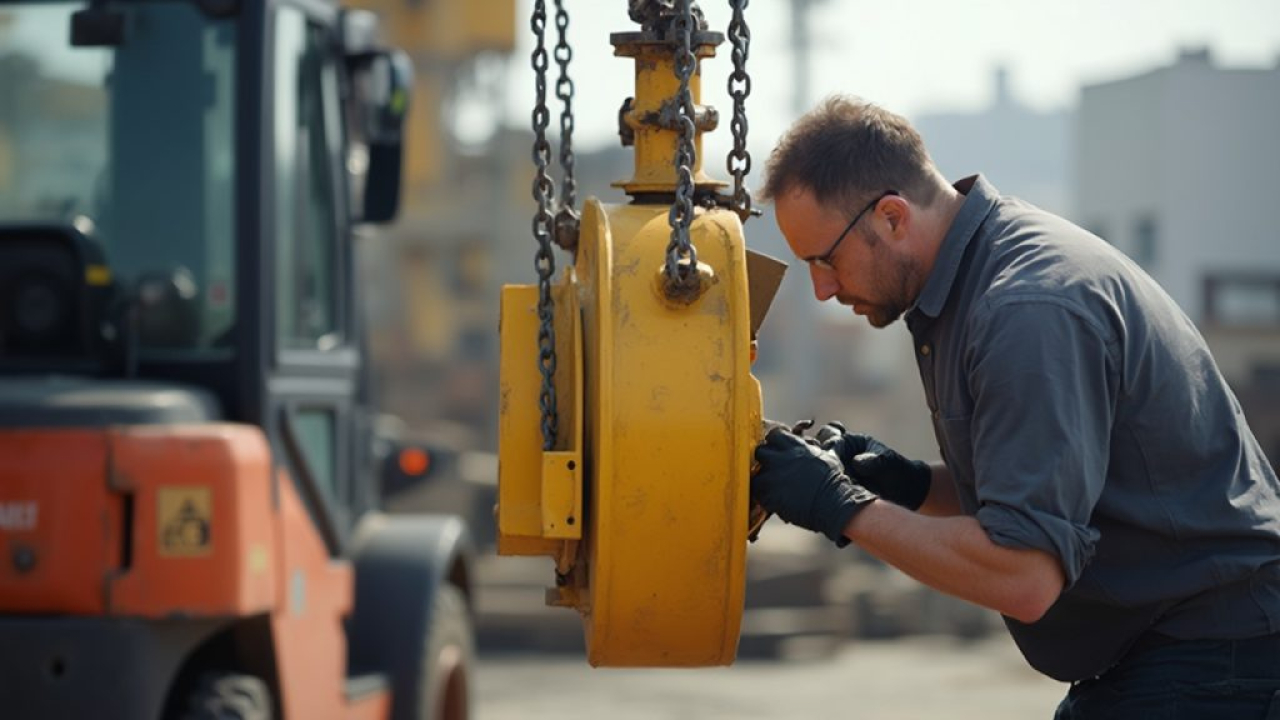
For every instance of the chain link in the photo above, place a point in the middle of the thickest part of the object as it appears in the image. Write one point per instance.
(564, 91)
(543, 227)
(680, 216)
(739, 161)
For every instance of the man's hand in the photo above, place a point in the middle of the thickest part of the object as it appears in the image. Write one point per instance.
(878, 467)
(805, 485)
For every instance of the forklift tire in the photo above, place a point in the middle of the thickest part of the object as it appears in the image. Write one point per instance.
(446, 685)
(227, 696)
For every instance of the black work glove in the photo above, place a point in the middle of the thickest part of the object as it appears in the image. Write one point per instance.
(806, 486)
(878, 467)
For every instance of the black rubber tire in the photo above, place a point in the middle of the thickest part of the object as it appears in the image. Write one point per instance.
(229, 696)
(450, 660)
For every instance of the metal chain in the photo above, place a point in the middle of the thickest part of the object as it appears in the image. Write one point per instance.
(543, 227)
(564, 91)
(739, 161)
(681, 215)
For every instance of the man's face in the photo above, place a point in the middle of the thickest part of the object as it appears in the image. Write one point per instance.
(867, 272)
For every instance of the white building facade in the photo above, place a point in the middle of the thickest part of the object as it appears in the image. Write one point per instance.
(1180, 169)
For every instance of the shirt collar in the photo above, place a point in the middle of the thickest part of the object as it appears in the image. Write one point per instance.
(980, 197)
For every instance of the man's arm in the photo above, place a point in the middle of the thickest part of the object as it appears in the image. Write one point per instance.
(942, 500)
(955, 555)
(1039, 468)
(1043, 377)
(804, 484)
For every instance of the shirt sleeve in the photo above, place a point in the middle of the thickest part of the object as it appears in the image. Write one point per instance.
(1044, 383)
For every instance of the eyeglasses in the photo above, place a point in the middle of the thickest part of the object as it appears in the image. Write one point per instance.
(824, 260)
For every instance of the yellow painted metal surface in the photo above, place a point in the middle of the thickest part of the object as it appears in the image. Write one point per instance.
(674, 413)
(655, 146)
(660, 415)
(540, 493)
(659, 412)
(561, 501)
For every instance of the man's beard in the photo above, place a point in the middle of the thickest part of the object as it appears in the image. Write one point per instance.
(894, 286)
(882, 316)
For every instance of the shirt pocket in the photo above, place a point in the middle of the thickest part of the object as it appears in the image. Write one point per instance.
(955, 440)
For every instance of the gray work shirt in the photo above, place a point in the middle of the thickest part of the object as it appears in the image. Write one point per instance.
(1081, 414)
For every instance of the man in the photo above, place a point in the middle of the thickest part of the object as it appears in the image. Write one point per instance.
(1100, 487)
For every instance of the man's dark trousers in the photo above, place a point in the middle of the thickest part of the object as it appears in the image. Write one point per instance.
(1184, 680)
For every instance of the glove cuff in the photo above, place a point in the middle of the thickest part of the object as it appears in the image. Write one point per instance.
(834, 517)
(916, 488)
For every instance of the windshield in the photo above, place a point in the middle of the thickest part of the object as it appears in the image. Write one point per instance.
(133, 145)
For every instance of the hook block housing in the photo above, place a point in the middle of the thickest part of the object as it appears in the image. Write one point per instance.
(659, 416)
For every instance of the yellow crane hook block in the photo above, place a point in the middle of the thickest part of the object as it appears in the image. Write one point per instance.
(643, 500)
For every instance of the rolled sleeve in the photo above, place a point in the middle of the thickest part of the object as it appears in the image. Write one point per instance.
(1043, 382)
(1072, 543)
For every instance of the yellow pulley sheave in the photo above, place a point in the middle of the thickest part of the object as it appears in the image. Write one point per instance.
(643, 500)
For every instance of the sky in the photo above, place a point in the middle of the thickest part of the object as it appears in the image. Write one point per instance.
(911, 56)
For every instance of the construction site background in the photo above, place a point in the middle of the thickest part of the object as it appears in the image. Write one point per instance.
(465, 231)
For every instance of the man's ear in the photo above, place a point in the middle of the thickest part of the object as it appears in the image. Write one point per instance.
(897, 213)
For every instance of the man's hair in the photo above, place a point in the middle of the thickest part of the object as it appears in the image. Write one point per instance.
(847, 151)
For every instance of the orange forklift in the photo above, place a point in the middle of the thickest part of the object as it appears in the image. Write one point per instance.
(189, 522)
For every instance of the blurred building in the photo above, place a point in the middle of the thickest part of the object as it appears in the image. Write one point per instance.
(1024, 152)
(433, 307)
(59, 121)
(1178, 167)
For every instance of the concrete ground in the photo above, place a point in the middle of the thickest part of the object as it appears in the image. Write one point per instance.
(923, 677)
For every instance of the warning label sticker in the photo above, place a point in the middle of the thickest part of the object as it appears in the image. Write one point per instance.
(185, 517)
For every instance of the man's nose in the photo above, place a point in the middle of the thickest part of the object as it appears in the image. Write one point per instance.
(825, 285)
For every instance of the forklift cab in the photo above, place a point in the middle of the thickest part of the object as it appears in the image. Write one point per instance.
(181, 184)
(212, 162)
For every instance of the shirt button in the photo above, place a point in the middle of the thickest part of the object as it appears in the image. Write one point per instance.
(924, 350)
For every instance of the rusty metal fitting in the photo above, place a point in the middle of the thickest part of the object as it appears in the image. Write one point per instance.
(626, 133)
(567, 223)
(705, 117)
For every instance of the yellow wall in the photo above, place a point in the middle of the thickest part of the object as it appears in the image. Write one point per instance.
(446, 29)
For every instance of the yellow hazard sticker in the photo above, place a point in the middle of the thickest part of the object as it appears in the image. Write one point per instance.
(185, 521)
(259, 559)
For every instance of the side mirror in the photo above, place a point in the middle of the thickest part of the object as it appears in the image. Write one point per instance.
(382, 82)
